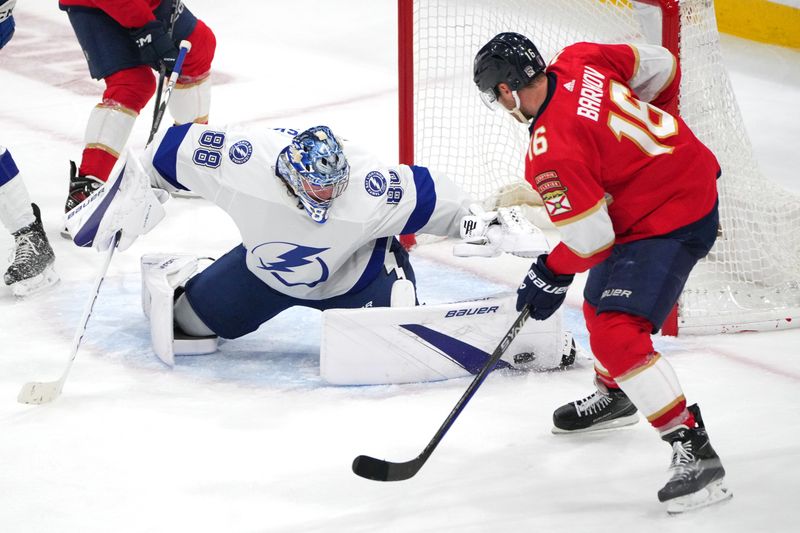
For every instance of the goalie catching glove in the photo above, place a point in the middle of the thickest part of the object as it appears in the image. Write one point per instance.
(125, 203)
(490, 233)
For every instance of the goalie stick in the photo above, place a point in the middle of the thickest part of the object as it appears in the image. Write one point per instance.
(382, 470)
(39, 392)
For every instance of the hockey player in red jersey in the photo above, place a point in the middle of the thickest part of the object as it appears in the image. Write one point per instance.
(122, 41)
(633, 194)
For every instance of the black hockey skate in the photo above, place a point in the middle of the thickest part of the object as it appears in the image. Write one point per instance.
(32, 267)
(604, 409)
(698, 478)
(80, 187)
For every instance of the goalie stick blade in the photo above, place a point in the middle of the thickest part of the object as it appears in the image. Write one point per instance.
(380, 470)
(37, 393)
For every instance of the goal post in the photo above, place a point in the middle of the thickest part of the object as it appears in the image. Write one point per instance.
(751, 278)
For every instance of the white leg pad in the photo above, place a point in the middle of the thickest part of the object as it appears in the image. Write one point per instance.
(161, 274)
(372, 346)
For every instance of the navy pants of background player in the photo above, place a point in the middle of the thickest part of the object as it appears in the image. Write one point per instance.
(108, 47)
(232, 301)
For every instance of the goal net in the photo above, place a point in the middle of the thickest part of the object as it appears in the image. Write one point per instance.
(751, 278)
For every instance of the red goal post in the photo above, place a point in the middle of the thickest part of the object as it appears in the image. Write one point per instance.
(750, 280)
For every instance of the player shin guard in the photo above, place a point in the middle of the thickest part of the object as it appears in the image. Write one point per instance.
(191, 100)
(622, 343)
(110, 124)
(602, 375)
(654, 388)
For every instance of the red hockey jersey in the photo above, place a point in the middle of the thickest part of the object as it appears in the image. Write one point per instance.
(609, 163)
(128, 13)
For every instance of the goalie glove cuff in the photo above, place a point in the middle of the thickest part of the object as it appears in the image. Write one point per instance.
(474, 226)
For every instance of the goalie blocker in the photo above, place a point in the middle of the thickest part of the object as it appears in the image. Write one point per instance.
(374, 346)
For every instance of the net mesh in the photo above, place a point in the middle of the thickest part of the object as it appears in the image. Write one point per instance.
(751, 279)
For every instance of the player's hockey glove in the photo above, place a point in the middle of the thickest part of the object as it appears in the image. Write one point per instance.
(6, 21)
(542, 291)
(156, 47)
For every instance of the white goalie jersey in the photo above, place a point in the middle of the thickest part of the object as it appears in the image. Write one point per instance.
(286, 249)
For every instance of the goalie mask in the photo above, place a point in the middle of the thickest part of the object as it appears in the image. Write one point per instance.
(316, 169)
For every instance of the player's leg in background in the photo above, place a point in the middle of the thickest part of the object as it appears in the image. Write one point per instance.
(113, 57)
(31, 268)
(191, 99)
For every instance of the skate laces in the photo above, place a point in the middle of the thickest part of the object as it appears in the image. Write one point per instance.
(592, 404)
(682, 459)
(26, 249)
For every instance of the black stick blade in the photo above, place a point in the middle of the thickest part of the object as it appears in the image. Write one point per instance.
(380, 470)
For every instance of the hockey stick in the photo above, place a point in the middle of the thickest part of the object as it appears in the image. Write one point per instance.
(162, 72)
(173, 79)
(382, 470)
(38, 392)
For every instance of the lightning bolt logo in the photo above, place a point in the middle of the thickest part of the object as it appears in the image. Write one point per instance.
(290, 258)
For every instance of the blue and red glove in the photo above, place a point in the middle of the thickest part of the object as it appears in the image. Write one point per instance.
(155, 45)
(542, 291)
(6, 21)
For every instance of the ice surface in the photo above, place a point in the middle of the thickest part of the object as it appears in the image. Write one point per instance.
(250, 439)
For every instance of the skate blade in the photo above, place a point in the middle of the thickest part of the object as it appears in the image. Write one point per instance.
(715, 492)
(36, 284)
(617, 423)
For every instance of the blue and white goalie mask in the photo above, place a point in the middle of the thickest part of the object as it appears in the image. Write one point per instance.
(316, 169)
